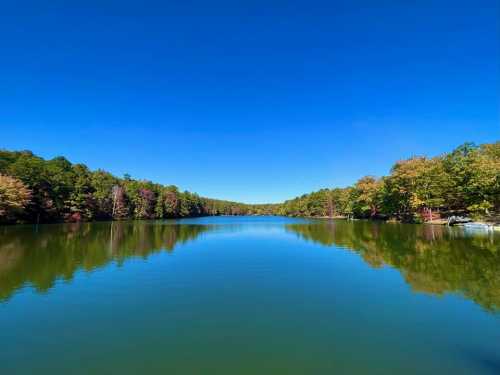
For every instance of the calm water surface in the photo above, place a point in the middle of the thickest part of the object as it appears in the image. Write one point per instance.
(243, 295)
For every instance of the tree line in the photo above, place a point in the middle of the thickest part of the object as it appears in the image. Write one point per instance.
(34, 190)
(465, 181)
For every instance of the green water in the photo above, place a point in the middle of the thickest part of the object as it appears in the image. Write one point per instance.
(259, 295)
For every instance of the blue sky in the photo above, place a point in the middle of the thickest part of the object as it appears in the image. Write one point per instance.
(254, 101)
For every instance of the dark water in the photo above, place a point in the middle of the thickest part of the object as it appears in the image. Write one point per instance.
(248, 296)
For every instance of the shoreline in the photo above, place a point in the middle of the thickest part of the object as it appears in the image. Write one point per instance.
(441, 222)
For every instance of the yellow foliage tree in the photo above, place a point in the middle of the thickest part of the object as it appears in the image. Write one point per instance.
(14, 197)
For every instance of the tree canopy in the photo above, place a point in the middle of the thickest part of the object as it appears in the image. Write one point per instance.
(36, 190)
(464, 181)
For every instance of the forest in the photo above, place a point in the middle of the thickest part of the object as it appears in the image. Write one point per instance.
(465, 181)
(34, 190)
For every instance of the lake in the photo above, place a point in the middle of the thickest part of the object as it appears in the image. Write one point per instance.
(248, 295)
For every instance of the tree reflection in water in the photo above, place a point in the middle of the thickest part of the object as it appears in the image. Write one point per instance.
(432, 259)
(40, 256)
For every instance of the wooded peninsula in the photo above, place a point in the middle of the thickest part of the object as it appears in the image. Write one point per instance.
(465, 181)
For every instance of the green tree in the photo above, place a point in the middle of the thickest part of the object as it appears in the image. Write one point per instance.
(81, 203)
(366, 197)
(102, 186)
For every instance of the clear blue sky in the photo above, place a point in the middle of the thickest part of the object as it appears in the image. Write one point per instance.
(256, 101)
